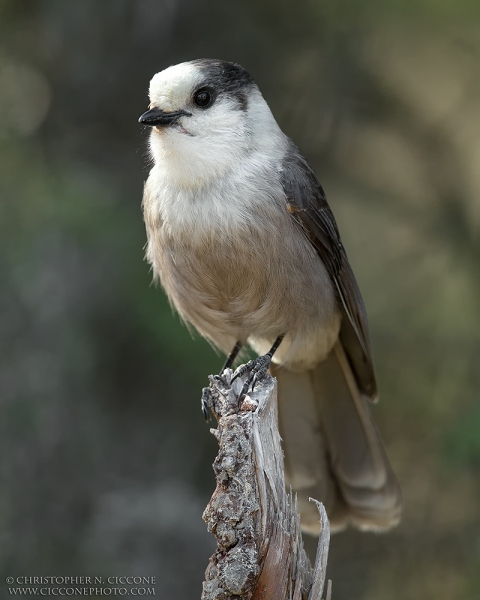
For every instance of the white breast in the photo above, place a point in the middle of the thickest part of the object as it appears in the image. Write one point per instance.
(225, 204)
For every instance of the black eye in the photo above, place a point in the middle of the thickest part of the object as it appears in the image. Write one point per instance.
(203, 99)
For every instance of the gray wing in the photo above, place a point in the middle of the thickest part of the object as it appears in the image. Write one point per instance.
(307, 203)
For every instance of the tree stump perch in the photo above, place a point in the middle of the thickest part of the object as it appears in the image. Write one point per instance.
(260, 553)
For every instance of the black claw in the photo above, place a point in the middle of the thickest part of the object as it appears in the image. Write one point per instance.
(220, 378)
(242, 369)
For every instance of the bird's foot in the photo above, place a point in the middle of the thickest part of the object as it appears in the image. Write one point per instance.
(257, 369)
(207, 403)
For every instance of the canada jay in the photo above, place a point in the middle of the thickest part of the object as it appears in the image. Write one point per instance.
(241, 236)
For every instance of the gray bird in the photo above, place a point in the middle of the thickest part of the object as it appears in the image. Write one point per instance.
(244, 243)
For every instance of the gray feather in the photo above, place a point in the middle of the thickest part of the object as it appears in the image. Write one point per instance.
(308, 205)
(333, 450)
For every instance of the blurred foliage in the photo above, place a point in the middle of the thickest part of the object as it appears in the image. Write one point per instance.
(105, 456)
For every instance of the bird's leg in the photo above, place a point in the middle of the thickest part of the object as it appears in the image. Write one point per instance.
(257, 367)
(232, 356)
(206, 394)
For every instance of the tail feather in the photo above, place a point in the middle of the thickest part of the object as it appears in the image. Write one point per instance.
(333, 451)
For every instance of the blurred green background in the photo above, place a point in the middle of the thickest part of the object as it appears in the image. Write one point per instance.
(105, 457)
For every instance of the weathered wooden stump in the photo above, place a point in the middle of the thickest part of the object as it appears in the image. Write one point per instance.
(260, 553)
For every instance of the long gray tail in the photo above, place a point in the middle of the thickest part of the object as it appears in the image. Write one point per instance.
(333, 451)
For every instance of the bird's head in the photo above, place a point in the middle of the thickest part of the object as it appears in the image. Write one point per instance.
(205, 115)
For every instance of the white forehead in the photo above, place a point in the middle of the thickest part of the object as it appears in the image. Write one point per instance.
(174, 84)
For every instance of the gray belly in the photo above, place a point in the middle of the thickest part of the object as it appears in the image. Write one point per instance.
(253, 285)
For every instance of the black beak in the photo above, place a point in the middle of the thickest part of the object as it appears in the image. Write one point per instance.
(155, 117)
